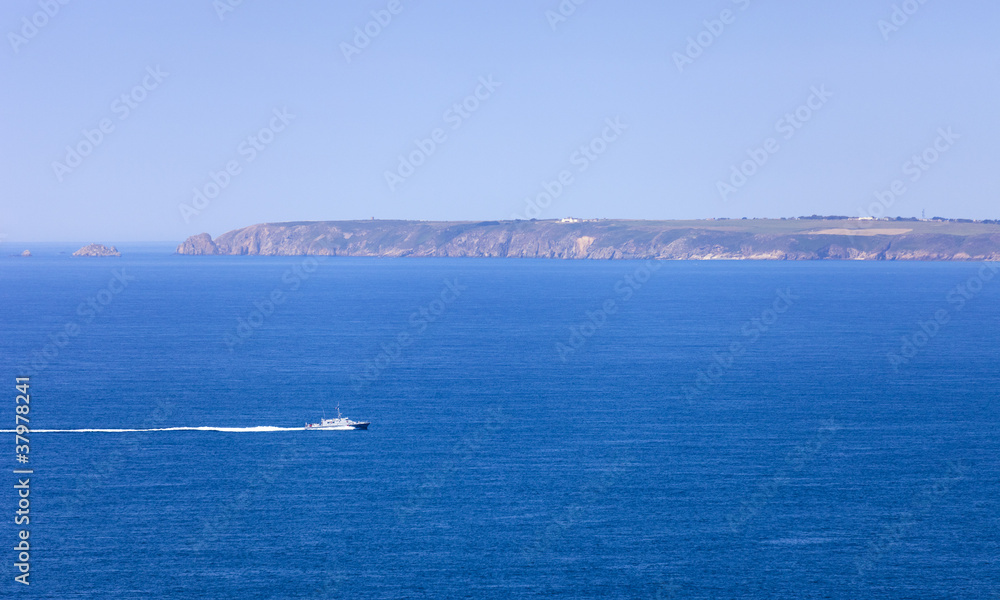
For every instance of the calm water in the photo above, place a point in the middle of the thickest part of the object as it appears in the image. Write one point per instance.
(801, 463)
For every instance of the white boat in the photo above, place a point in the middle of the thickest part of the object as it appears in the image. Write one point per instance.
(340, 422)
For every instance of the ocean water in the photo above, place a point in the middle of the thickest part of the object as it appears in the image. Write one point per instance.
(540, 429)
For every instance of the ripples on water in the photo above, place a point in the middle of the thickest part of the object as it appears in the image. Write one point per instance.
(800, 465)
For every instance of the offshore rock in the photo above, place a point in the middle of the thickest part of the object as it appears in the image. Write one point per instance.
(198, 244)
(97, 250)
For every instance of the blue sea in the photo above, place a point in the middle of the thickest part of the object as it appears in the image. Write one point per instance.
(539, 428)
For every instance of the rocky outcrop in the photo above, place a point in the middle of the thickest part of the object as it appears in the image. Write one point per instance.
(25, 254)
(97, 250)
(613, 239)
(198, 244)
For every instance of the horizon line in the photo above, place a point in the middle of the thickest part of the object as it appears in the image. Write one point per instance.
(4, 241)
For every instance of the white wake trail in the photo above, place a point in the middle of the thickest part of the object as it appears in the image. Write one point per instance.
(259, 429)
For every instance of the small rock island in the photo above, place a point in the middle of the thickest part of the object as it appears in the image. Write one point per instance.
(198, 244)
(97, 250)
(25, 254)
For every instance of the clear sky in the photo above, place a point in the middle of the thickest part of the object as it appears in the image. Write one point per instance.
(184, 89)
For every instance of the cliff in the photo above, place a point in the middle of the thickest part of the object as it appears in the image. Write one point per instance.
(97, 250)
(198, 244)
(762, 239)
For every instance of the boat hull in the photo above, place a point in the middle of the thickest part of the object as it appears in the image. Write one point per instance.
(338, 427)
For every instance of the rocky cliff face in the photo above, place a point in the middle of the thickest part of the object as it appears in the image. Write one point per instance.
(688, 240)
(97, 250)
(198, 244)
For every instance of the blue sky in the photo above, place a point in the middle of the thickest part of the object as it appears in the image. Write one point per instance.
(556, 84)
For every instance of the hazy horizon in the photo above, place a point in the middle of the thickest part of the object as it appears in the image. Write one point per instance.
(216, 234)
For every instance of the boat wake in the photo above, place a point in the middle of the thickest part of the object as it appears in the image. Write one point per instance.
(260, 429)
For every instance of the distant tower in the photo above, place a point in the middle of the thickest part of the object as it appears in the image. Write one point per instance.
(923, 214)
